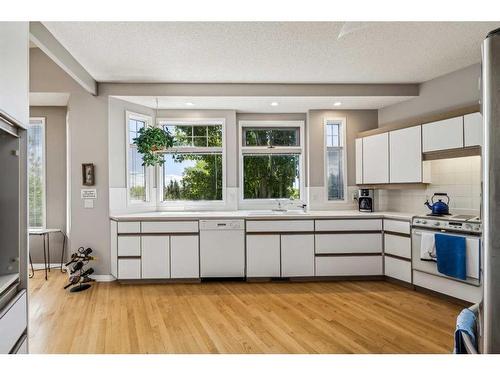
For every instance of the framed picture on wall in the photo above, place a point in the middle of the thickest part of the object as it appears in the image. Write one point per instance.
(88, 174)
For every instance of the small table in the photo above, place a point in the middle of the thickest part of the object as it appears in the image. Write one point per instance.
(45, 233)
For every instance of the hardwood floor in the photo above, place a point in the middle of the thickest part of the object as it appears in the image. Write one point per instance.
(237, 317)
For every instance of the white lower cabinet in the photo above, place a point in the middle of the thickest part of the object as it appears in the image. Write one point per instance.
(129, 268)
(13, 322)
(349, 265)
(185, 257)
(263, 255)
(155, 257)
(297, 255)
(398, 268)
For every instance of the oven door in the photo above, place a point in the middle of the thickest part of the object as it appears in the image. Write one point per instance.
(473, 253)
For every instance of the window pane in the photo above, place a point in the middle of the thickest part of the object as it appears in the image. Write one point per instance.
(271, 176)
(271, 136)
(335, 174)
(192, 177)
(137, 176)
(196, 135)
(36, 193)
(332, 135)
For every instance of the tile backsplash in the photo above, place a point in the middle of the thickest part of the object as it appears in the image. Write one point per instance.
(460, 178)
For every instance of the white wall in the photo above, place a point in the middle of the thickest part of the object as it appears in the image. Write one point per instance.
(451, 91)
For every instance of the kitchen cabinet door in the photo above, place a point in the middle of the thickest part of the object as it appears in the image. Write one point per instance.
(359, 160)
(473, 129)
(405, 150)
(297, 255)
(263, 255)
(376, 159)
(443, 135)
(155, 257)
(185, 257)
(398, 268)
(14, 70)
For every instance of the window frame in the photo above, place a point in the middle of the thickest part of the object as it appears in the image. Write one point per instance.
(149, 171)
(193, 204)
(278, 150)
(343, 139)
(44, 174)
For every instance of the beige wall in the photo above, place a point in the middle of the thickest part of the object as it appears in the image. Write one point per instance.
(55, 185)
(451, 91)
(356, 121)
(88, 140)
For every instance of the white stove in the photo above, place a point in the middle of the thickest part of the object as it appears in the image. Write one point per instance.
(451, 223)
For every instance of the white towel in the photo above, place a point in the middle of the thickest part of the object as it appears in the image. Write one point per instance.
(428, 247)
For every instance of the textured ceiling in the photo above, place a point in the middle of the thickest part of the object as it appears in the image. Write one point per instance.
(290, 52)
(263, 104)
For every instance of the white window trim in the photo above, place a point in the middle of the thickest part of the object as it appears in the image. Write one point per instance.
(44, 177)
(271, 202)
(200, 204)
(343, 138)
(149, 170)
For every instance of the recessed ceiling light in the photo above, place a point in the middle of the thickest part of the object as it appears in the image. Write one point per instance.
(189, 104)
(336, 104)
(274, 104)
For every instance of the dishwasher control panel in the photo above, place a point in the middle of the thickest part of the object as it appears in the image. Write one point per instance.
(222, 224)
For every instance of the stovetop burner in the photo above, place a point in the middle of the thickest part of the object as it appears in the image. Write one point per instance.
(438, 215)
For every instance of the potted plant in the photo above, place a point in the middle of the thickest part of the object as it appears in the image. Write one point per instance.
(151, 142)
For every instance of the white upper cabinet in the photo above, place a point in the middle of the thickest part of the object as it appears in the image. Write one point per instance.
(473, 129)
(443, 135)
(376, 159)
(405, 150)
(359, 160)
(14, 70)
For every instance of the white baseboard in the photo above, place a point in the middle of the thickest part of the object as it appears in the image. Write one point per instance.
(41, 266)
(103, 278)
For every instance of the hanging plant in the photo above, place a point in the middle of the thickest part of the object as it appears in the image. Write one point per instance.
(151, 142)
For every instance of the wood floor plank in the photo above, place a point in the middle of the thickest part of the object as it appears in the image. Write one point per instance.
(238, 317)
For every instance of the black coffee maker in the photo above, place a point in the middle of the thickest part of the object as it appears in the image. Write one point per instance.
(365, 200)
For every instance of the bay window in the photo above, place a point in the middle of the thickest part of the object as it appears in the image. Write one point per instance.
(335, 159)
(193, 168)
(271, 159)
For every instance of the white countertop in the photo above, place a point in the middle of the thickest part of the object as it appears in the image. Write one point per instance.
(257, 214)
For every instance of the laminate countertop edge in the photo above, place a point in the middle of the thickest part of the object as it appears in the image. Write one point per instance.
(248, 215)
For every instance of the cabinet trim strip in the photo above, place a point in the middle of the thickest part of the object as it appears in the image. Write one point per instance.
(397, 257)
(397, 234)
(129, 257)
(346, 254)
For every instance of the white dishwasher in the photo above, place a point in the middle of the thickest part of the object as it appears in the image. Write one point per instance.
(222, 248)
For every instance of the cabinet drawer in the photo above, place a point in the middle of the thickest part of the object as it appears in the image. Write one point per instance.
(129, 246)
(398, 269)
(13, 322)
(348, 225)
(169, 226)
(129, 227)
(397, 226)
(280, 226)
(129, 269)
(348, 243)
(397, 245)
(349, 266)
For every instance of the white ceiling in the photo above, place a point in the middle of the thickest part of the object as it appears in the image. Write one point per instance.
(263, 104)
(272, 52)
